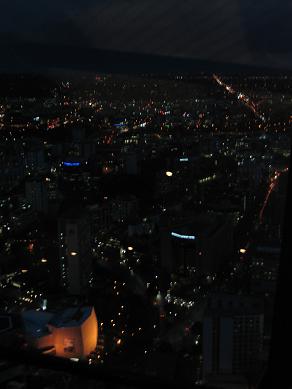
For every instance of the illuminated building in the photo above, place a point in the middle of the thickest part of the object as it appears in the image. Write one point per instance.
(72, 333)
(74, 252)
(196, 243)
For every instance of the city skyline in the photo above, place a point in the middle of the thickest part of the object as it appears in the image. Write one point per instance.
(156, 204)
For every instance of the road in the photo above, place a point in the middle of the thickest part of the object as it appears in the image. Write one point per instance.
(273, 183)
(179, 330)
(241, 97)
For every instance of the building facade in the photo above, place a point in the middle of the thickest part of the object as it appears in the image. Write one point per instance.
(75, 252)
(233, 330)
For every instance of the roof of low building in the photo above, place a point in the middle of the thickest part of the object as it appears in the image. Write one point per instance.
(36, 322)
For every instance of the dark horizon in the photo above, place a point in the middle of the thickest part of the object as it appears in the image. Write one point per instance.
(231, 32)
(44, 59)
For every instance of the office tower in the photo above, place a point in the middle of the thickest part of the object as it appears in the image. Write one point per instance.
(35, 159)
(196, 243)
(131, 163)
(74, 252)
(233, 328)
(263, 270)
(36, 194)
(123, 207)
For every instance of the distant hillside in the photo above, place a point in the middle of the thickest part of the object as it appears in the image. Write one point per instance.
(25, 85)
(24, 58)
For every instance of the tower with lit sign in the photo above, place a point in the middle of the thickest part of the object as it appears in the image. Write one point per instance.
(198, 244)
(178, 250)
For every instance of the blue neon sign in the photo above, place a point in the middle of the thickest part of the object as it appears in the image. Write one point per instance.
(189, 237)
(183, 159)
(71, 164)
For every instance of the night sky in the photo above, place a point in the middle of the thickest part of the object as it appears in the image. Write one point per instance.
(234, 31)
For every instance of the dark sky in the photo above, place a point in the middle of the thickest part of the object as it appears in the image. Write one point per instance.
(256, 32)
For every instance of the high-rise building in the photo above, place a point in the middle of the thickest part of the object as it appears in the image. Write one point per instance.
(196, 243)
(36, 194)
(35, 160)
(123, 207)
(74, 252)
(263, 270)
(131, 163)
(233, 329)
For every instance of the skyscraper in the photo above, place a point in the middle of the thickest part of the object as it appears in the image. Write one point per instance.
(74, 252)
(196, 242)
(36, 194)
(232, 337)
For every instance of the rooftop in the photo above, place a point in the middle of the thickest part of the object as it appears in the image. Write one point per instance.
(36, 322)
(71, 317)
